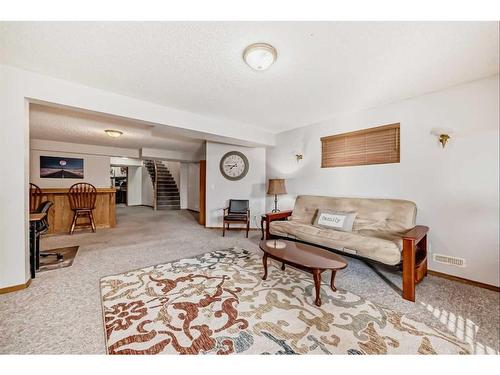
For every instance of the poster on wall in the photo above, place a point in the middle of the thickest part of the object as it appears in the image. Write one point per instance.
(54, 167)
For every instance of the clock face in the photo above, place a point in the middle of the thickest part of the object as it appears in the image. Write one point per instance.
(234, 165)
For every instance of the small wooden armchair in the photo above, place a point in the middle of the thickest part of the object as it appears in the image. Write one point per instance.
(82, 197)
(238, 212)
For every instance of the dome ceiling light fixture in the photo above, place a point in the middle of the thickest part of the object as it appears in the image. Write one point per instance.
(260, 56)
(113, 133)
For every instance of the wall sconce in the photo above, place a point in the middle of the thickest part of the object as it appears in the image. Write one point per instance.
(443, 135)
(443, 138)
(297, 152)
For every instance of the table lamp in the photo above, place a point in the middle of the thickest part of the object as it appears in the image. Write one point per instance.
(276, 187)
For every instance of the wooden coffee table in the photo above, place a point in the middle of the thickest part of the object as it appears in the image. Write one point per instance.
(305, 257)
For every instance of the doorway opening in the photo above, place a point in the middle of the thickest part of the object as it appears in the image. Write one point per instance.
(119, 180)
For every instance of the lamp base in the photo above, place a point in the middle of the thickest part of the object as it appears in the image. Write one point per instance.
(275, 204)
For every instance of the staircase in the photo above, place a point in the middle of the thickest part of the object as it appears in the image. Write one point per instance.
(165, 192)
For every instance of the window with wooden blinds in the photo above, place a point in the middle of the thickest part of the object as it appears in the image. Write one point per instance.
(379, 145)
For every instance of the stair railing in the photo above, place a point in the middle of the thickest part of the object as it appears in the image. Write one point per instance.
(155, 188)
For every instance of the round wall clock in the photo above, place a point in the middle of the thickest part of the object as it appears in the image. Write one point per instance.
(234, 165)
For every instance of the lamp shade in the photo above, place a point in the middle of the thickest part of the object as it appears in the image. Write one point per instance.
(276, 186)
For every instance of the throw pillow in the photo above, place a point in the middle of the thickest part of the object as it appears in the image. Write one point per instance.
(338, 220)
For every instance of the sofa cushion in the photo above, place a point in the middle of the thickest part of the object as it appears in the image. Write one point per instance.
(386, 215)
(381, 246)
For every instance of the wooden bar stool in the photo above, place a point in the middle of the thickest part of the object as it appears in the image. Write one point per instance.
(82, 197)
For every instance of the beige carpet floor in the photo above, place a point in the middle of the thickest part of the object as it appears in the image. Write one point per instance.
(61, 313)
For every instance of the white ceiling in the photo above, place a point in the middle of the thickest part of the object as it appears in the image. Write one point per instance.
(323, 68)
(70, 125)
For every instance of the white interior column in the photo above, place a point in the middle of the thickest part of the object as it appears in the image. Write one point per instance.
(183, 185)
(14, 180)
(134, 186)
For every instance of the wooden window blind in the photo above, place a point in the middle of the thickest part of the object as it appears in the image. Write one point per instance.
(379, 145)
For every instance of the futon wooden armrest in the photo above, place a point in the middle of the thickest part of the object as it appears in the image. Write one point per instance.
(272, 216)
(414, 259)
(416, 233)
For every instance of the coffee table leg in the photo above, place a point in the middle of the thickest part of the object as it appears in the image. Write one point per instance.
(262, 219)
(332, 285)
(264, 262)
(317, 286)
(282, 266)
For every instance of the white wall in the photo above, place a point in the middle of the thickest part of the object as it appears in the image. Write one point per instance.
(125, 162)
(14, 182)
(219, 190)
(193, 191)
(456, 188)
(183, 184)
(201, 154)
(146, 188)
(95, 170)
(193, 180)
(134, 186)
(153, 153)
(118, 153)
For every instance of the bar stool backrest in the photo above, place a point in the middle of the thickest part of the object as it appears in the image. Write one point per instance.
(35, 198)
(82, 196)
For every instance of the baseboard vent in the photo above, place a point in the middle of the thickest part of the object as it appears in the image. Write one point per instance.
(446, 259)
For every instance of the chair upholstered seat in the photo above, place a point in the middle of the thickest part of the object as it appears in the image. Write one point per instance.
(236, 217)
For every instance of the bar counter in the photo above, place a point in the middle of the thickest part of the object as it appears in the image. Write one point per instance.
(61, 215)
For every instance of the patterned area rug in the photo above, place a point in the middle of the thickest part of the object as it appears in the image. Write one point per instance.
(217, 303)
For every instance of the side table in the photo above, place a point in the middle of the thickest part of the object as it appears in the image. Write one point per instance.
(272, 216)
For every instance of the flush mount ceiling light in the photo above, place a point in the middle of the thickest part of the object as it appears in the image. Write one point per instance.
(113, 133)
(260, 56)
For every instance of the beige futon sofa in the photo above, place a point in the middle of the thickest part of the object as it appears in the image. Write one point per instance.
(384, 231)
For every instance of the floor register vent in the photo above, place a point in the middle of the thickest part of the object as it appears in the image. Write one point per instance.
(453, 261)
